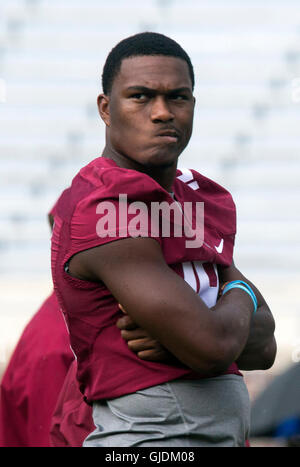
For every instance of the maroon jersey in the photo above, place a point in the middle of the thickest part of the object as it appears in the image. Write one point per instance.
(33, 379)
(107, 368)
(72, 418)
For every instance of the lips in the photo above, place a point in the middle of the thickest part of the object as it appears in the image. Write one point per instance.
(168, 135)
(172, 133)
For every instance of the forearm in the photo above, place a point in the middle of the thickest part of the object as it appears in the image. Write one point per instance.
(207, 345)
(234, 336)
(233, 312)
(205, 340)
(256, 352)
(260, 350)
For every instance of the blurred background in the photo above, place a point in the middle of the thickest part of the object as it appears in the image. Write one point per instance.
(246, 57)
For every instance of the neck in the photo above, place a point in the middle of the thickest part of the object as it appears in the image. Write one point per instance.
(163, 175)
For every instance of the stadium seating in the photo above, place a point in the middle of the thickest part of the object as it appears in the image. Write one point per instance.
(246, 124)
(246, 57)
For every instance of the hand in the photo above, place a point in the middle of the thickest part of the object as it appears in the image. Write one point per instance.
(140, 342)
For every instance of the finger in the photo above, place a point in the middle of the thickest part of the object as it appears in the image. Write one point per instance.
(133, 334)
(138, 345)
(153, 355)
(125, 322)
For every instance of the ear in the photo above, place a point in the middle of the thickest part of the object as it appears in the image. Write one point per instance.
(103, 108)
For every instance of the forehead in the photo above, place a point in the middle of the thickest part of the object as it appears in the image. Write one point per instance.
(154, 72)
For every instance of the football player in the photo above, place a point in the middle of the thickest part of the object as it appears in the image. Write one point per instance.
(117, 241)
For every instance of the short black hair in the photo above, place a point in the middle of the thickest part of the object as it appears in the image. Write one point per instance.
(145, 43)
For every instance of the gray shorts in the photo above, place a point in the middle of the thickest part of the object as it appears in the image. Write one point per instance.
(205, 412)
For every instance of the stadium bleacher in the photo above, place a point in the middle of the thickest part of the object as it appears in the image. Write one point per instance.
(246, 134)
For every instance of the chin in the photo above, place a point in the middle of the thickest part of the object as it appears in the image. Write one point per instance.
(161, 160)
(158, 164)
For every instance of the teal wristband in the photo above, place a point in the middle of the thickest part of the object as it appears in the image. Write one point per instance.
(250, 290)
(244, 286)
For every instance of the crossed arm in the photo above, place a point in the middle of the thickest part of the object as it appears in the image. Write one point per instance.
(258, 354)
(260, 350)
(166, 308)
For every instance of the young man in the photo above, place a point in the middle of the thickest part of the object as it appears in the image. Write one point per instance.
(108, 250)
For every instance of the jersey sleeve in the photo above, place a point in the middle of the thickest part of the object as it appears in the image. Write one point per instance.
(118, 207)
(220, 209)
(219, 214)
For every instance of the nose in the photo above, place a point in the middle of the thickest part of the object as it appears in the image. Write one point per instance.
(160, 111)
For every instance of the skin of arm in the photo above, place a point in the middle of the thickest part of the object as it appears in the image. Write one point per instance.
(258, 354)
(260, 350)
(205, 340)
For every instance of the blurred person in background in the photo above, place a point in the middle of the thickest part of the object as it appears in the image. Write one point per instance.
(194, 393)
(72, 419)
(34, 377)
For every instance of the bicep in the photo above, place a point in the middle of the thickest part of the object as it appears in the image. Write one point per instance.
(135, 272)
(154, 296)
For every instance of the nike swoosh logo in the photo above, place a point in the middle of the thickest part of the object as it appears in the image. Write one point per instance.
(220, 247)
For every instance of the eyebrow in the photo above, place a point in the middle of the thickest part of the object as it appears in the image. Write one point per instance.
(145, 89)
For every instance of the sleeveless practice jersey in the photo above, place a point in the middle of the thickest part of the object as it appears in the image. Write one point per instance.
(101, 206)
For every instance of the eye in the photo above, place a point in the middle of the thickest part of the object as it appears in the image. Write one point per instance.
(179, 97)
(139, 96)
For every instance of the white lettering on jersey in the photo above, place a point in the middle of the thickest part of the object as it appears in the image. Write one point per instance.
(204, 282)
(188, 178)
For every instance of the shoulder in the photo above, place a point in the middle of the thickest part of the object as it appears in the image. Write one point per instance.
(198, 182)
(103, 180)
(99, 198)
(106, 177)
(219, 207)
